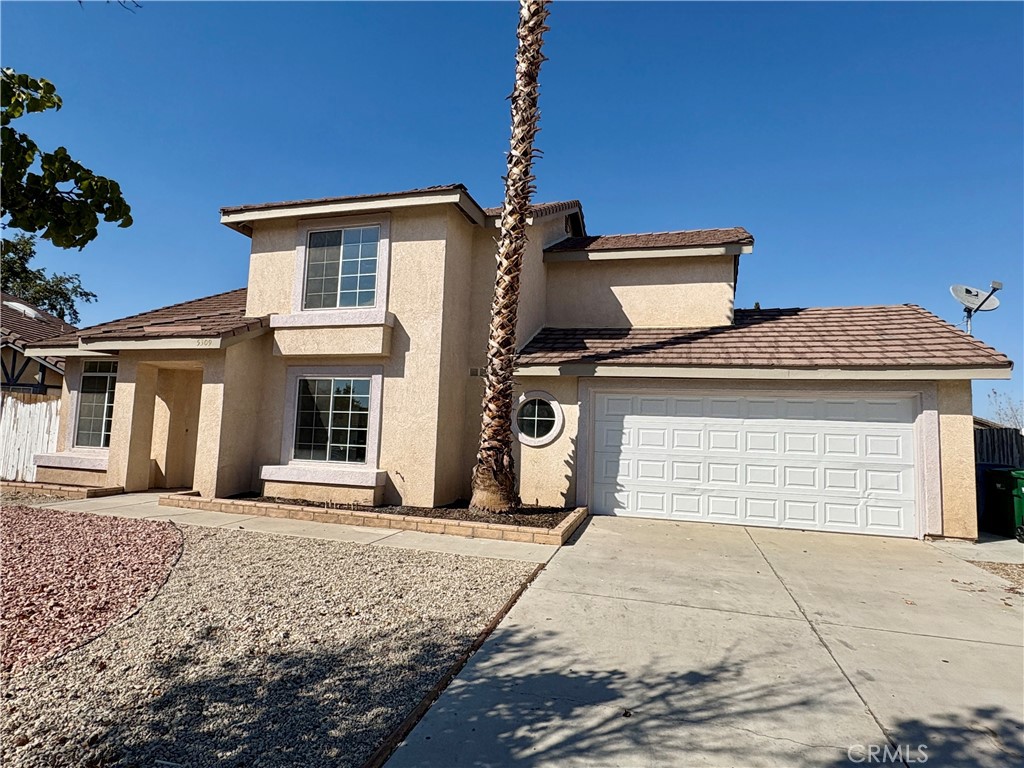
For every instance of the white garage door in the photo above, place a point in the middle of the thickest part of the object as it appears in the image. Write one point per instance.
(818, 463)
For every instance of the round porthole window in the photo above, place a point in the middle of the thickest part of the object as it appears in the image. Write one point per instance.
(538, 419)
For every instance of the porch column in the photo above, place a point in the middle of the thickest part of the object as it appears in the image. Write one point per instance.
(208, 439)
(131, 435)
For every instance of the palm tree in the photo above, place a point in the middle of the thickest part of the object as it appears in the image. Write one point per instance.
(494, 478)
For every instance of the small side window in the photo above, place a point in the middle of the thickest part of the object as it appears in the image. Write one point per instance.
(538, 419)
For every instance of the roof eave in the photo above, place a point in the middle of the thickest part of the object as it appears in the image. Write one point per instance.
(879, 373)
(728, 249)
(108, 345)
(242, 220)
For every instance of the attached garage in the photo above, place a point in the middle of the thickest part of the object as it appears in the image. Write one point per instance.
(841, 419)
(829, 463)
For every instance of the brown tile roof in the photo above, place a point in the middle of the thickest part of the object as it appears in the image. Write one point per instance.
(21, 330)
(904, 336)
(343, 199)
(26, 328)
(692, 238)
(210, 317)
(543, 209)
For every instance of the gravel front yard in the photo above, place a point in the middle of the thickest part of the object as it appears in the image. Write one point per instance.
(67, 576)
(258, 651)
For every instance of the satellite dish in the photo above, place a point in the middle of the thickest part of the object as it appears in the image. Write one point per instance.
(972, 298)
(975, 300)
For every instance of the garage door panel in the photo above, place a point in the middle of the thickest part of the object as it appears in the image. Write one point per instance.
(825, 463)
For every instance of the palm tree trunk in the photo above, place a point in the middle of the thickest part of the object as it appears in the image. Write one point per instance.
(494, 478)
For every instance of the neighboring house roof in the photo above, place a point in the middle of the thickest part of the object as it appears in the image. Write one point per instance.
(691, 238)
(20, 328)
(903, 336)
(216, 316)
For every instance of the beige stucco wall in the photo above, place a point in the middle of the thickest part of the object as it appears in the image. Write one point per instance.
(956, 451)
(685, 292)
(411, 372)
(451, 475)
(271, 268)
(547, 474)
(240, 418)
(175, 427)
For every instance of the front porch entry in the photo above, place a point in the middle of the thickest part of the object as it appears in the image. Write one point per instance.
(177, 397)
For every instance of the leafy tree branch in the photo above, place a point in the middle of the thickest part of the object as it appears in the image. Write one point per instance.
(49, 193)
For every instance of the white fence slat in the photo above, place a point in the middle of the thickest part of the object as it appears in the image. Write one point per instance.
(28, 425)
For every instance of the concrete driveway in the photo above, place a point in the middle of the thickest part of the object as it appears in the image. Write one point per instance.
(650, 643)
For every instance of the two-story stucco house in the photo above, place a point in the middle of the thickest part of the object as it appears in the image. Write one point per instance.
(349, 370)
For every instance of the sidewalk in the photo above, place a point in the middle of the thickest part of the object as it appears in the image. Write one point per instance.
(145, 506)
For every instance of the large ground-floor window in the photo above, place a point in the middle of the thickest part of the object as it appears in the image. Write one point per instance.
(96, 403)
(332, 419)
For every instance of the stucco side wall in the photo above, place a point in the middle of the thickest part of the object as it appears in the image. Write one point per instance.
(956, 450)
(534, 279)
(547, 474)
(271, 268)
(687, 292)
(450, 478)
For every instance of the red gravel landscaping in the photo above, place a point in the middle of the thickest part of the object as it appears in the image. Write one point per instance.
(67, 576)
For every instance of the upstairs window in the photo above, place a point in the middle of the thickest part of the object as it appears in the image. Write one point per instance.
(341, 268)
(96, 403)
(332, 420)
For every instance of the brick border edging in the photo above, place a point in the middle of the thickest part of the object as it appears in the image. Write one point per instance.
(364, 517)
(387, 748)
(65, 491)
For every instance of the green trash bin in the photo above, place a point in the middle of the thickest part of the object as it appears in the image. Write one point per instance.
(1018, 503)
(998, 513)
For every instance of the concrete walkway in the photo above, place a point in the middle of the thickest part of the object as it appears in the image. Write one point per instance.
(145, 506)
(988, 549)
(650, 643)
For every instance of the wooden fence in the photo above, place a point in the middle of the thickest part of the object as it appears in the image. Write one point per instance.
(28, 425)
(999, 446)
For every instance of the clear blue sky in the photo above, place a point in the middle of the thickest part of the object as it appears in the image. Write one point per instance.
(874, 150)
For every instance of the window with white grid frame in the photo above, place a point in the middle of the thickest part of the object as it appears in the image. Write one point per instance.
(332, 420)
(96, 403)
(341, 268)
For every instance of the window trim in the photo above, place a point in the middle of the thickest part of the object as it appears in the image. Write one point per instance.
(76, 404)
(329, 472)
(550, 437)
(374, 315)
